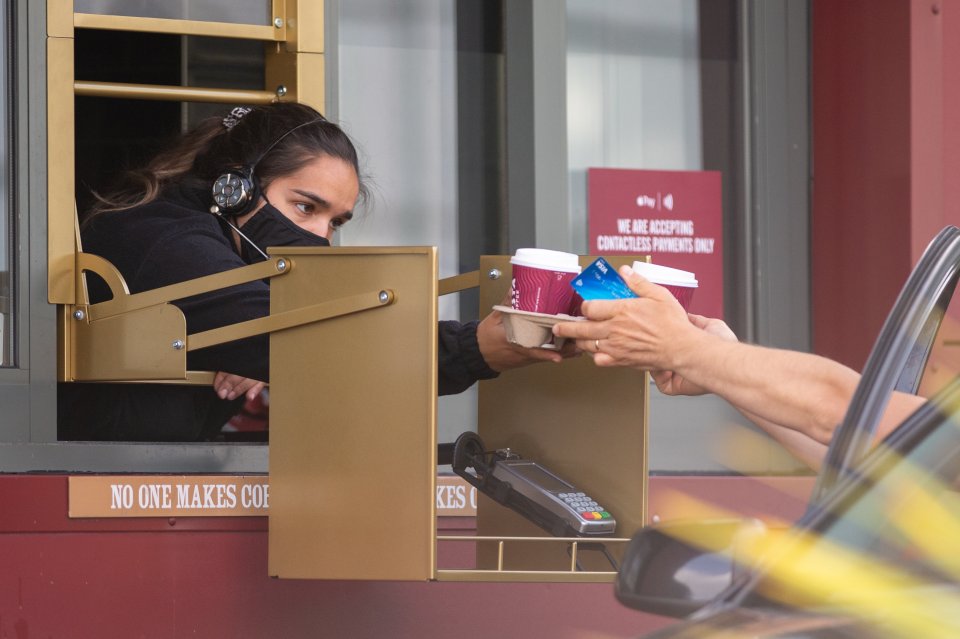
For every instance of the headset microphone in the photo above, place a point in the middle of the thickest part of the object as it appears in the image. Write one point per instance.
(216, 211)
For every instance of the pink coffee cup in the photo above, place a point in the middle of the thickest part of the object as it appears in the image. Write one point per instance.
(682, 284)
(541, 280)
(575, 305)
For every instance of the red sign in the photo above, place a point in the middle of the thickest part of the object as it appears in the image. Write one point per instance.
(676, 217)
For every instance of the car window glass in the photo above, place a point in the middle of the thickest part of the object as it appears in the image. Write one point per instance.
(902, 527)
(944, 362)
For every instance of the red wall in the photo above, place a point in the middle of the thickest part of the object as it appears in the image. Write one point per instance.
(886, 155)
(950, 74)
(861, 167)
(207, 577)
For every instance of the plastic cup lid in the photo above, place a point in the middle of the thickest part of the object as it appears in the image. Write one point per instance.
(660, 274)
(547, 259)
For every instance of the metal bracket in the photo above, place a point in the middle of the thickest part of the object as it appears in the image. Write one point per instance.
(142, 336)
(459, 283)
(289, 319)
(124, 302)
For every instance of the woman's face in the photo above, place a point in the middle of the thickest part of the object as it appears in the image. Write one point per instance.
(319, 197)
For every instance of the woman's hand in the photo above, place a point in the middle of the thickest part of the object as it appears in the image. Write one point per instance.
(228, 386)
(501, 355)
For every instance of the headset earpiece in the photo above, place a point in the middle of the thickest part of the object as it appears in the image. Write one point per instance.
(235, 192)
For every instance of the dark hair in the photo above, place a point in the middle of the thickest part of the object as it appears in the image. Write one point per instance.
(298, 133)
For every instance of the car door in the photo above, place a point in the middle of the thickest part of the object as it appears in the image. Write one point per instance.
(898, 357)
(896, 363)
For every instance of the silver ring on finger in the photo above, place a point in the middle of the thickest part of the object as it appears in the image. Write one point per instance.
(596, 344)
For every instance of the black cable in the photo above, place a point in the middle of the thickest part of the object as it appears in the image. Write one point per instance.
(593, 546)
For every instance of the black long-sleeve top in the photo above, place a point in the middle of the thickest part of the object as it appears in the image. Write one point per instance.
(174, 239)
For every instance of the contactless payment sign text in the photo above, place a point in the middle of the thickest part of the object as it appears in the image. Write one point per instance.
(676, 217)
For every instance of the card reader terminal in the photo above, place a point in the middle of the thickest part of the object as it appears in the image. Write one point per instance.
(537, 483)
(528, 488)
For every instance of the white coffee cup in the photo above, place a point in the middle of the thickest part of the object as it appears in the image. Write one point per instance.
(681, 283)
(547, 259)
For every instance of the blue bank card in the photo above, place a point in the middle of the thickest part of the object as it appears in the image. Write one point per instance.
(600, 281)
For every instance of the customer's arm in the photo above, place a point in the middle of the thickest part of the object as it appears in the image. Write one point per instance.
(812, 452)
(775, 387)
(802, 447)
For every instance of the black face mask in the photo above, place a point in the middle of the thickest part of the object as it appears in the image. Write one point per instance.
(269, 227)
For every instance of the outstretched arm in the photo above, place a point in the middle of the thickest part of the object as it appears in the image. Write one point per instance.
(776, 388)
(802, 447)
(480, 350)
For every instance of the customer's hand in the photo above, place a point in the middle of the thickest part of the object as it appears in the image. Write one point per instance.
(643, 332)
(671, 383)
(228, 386)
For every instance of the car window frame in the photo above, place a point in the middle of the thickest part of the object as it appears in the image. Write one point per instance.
(896, 362)
(893, 450)
(897, 359)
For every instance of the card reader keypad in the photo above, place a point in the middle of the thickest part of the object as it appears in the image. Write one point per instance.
(584, 506)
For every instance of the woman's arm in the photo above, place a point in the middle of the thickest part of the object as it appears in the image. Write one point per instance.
(480, 350)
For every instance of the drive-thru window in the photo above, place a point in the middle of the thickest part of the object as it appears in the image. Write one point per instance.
(355, 493)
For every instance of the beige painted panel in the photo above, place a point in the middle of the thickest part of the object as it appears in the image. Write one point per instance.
(60, 18)
(353, 419)
(587, 424)
(177, 26)
(305, 23)
(301, 75)
(138, 345)
(61, 207)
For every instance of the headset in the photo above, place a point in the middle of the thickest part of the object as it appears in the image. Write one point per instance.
(236, 191)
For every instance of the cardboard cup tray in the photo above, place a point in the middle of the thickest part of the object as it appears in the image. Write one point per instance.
(533, 330)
